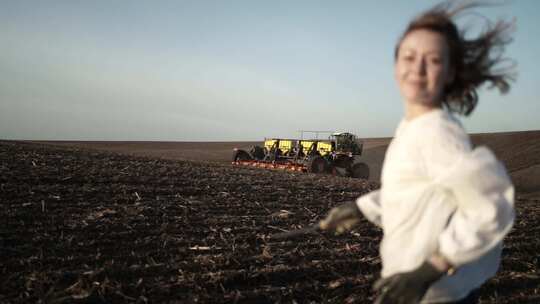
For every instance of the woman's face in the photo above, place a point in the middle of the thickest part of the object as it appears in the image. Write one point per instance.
(422, 67)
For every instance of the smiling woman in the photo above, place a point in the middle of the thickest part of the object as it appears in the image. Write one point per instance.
(444, 207)
(433, 53)
(422, 70)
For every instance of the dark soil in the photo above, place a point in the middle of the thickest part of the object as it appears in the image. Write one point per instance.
(82, 226)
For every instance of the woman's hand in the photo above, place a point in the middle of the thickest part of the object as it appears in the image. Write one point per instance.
(342, 218)
(407, 287)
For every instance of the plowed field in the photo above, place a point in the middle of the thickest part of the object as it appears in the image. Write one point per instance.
(81, 226)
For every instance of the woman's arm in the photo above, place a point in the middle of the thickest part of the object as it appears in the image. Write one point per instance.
(480, 188)
(370, 206)
(485, 207)
(348, 215)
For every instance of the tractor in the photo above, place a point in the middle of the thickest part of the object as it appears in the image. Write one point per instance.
(336, 155)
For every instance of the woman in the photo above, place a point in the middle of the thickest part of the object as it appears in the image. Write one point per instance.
(444, 208)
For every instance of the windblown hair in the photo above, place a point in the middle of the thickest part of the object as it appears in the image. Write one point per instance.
(474, 61)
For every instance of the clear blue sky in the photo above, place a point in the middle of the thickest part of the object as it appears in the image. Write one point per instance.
(226, 70)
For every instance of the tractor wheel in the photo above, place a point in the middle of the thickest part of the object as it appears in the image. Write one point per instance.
(341, 165)
(360, 170)
(343, 161)
(317, 164)
(239, 155)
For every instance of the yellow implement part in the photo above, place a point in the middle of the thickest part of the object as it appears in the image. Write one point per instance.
(306, 145)
(269, 143)
(285, 145)
(324, 147)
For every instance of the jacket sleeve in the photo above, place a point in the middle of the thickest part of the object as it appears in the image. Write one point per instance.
(484, 215)
(478, 186)
(370, 205)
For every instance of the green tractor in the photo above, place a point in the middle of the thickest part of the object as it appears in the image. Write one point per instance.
(336, 155)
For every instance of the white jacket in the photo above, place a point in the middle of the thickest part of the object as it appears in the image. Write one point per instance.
(440, 196)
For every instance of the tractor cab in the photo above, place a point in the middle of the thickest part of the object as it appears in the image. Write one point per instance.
(346, 143)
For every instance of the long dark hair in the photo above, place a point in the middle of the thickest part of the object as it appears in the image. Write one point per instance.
(474, 61)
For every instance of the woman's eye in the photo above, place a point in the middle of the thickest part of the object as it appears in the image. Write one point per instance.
(408, 58)
(436, 60)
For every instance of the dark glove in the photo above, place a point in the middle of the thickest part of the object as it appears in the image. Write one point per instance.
(342, 218)
(407, 287)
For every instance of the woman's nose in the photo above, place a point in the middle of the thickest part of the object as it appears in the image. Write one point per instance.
(420, 66)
